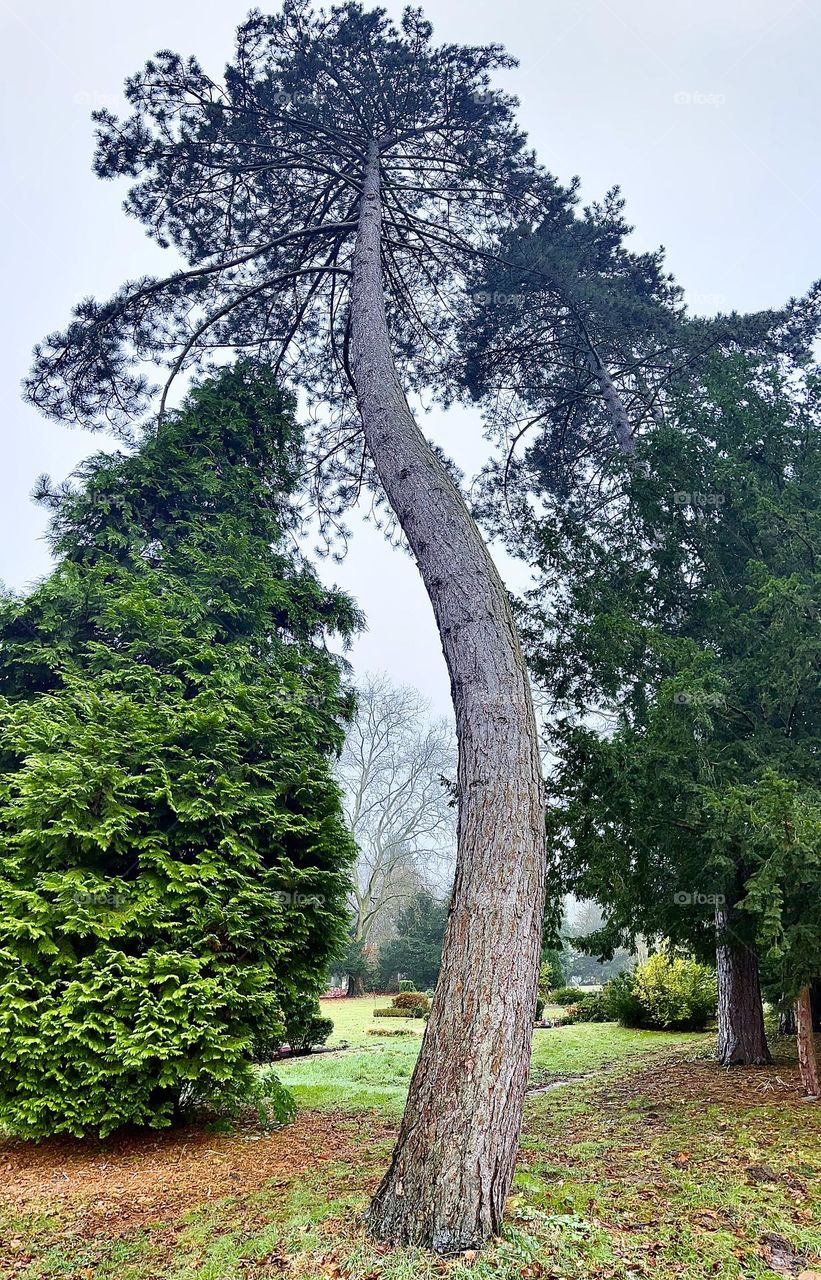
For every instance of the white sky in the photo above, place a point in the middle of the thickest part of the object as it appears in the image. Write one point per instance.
(706, 112)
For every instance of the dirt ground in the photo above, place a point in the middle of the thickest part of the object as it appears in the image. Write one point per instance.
(140, 1178)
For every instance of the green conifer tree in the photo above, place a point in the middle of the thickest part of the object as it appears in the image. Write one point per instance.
(174, 862)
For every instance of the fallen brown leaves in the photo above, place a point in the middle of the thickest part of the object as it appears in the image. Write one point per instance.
(156, 1177)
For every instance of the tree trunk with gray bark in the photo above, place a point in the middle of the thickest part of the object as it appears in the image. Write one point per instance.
(807, 1059)
(741, 1037)
(453, 1162)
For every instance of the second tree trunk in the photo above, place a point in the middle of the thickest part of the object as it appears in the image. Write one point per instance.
(742, 1040)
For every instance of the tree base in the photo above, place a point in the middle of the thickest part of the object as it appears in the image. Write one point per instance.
(742, 1040)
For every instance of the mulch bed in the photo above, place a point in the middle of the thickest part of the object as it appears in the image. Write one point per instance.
(705, 1082)
(137, 1178)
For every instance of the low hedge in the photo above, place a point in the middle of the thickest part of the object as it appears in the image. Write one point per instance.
(396, 1013)
(411, 1000)
(567, 995)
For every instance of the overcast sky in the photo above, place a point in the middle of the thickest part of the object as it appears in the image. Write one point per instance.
(705, 112)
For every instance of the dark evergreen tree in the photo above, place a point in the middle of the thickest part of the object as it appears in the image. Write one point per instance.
(574, 344)
(416, 951)
(175, 865)
(688, 610)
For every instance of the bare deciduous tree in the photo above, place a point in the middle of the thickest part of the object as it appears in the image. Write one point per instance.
(394, 772)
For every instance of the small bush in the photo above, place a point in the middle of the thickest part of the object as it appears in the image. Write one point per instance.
(593, 1008)
(395, 1013)
(405, 984)
(666, 993)
(411, 1000)
(539, 1008)
(307, 1029)
(273, 1103)
(567, 995)
(622, 1002)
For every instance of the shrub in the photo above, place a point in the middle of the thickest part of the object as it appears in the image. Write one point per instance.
(667, 993)
(539, 1008)
(395, 1013)
(567, 995)
(411, 1000)
(306, 1028)
(273, 1103)
(405, 985)
(591, 1008)
(391, 1031)
(262, 1093)
(621, 1001)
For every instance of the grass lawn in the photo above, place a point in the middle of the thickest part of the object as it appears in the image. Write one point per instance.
(353, 1020)
(642, 1159)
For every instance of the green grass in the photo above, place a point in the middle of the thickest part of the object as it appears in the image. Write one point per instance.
(641, 1162)
(376, 1076)
(353, 1020)
(377, 1072)
(587, 1046)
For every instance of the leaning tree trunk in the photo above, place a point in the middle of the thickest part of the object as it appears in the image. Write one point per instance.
(453, 1162)
(807, 1060)
(741, 1036)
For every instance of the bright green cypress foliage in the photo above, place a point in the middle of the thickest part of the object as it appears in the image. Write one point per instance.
(174, 861)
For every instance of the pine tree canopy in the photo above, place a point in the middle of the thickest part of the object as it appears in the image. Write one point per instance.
(175, 864)
(256, 181)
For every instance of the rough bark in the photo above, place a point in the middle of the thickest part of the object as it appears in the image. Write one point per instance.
(453, 1162)
(741, 1037)
(807, 1060)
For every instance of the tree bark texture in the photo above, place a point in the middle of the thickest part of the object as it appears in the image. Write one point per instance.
(453, 1162)
(807, 1059)
(741, 1037)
